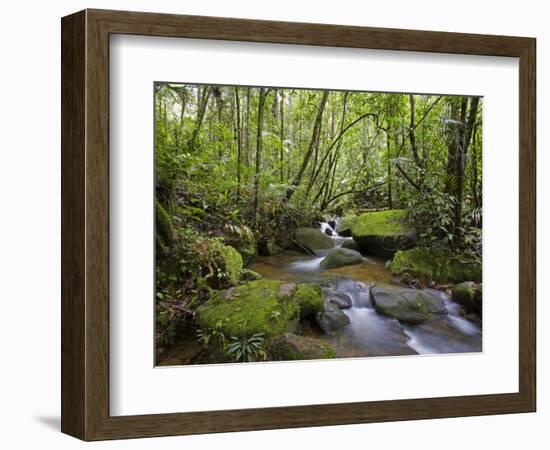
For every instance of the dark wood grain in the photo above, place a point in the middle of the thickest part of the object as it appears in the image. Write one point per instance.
(73, 226)
(85, 224)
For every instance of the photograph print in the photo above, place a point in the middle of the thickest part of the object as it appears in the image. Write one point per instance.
(304, 224)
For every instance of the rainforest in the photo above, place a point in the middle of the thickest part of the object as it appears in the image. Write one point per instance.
(304, 224)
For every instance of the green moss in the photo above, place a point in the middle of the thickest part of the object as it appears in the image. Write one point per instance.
(463, 293)
(165, 230)
(255, 307)
(346, 224)
(246, 245)
(249, 275)
(429, 264)
(291, 347)
(232, 262)
(381, 223)
(309, 298)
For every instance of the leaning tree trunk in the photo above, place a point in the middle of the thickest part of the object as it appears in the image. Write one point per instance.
(261, 103)
(312, 145)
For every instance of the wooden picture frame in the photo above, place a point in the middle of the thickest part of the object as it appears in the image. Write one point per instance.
(85, 224)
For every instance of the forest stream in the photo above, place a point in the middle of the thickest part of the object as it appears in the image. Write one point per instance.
(368, 332)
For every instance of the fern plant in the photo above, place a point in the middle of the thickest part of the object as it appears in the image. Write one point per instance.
(247, 348)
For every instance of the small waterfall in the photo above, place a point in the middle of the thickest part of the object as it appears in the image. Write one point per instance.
(324, 226)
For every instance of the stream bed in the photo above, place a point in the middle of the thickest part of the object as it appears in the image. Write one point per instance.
(369, 333)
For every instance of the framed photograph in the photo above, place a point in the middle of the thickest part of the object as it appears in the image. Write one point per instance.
(273, 225)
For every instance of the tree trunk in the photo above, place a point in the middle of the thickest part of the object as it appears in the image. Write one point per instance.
(282, 137)
(314, 141)
(201, 109)
(261, 103)
(239, 143)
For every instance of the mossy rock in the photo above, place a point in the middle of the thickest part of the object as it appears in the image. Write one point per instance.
(383, 233)
(249, 275)
(245, 245)
(406, 305)
(291, 347)
(468, 294)
(269, 307)
(340, 257)
(310, 299)
(231, 261)
(345, 225)
(164, 228)
(435, 265)
(254, 307)
(312, 240)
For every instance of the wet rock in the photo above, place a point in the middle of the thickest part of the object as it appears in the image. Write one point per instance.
(341, 257)
(406, 305)
(332, 223)
(328, 231)
(331, 318)
(340, 300)
(290, 347)
(312, 240)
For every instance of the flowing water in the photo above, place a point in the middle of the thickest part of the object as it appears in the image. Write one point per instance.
(369, 333)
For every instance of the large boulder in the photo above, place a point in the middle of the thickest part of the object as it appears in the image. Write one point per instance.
(290, 347)
(344, 226)
(406, 305)
(341, 257)
(383, 233)
(269, 307)
(312, 240)
(436, 265)
(331, 318)
(256, 307)
(468, 294)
